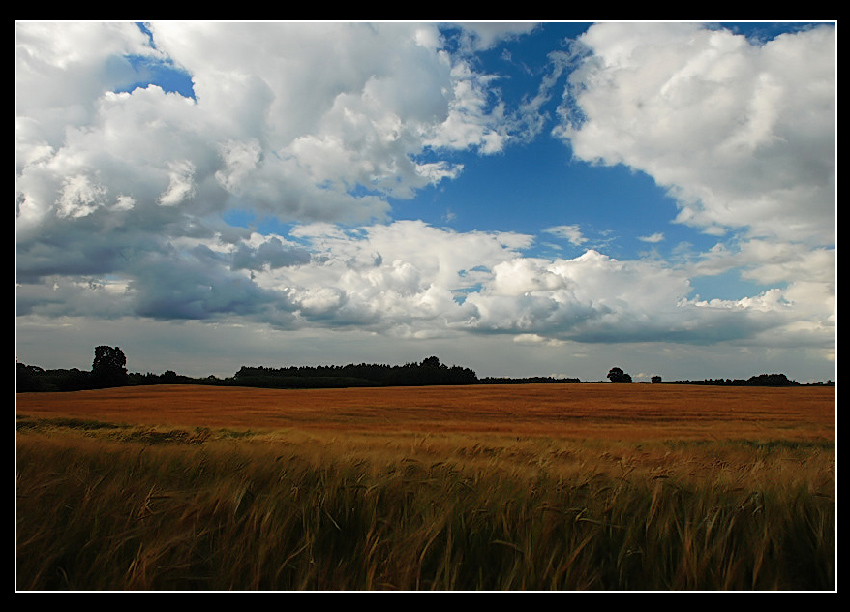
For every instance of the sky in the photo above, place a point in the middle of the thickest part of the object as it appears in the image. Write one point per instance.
(523, 199)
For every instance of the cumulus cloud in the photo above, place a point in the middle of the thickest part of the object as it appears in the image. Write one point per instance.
(372, 276)
(483, 283)
(477, 283)
(723, 124)
(322, 125)
(121, 195)
(741, 134)
(61, 71)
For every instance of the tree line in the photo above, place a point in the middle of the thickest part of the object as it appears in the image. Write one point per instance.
(762, 380)
(109, 369)
(429, 371)
(617, 375)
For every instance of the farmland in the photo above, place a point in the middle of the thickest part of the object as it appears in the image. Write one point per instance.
(481, 487)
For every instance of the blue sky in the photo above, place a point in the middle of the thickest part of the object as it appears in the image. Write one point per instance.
(525, 199)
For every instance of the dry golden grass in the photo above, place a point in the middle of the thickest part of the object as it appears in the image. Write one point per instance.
(636, 412)
(540, 487)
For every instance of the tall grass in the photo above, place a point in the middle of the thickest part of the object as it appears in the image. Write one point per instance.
(110, 509)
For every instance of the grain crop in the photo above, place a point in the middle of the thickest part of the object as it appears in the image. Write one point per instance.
(484, 488)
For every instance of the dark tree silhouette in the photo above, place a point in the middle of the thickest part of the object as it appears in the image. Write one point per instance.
(432, 362)
(617, 375)
(429, 372)
(109, 367)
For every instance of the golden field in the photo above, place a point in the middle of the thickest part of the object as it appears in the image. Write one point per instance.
(575, 486)
(584, 410)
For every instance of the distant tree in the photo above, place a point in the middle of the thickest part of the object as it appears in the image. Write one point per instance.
(432, 362)
(656, 379)
(28, 377)
(109, 367)
(771, 380)
(617, 375)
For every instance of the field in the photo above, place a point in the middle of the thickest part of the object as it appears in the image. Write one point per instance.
(484, 487)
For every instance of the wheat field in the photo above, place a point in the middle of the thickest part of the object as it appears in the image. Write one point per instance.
(545, 487)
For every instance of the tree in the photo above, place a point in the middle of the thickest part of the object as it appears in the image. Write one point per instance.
(771, 380)
(109, 367)
(432, 362)
(617, 375)
(27, 377)
(656, 379)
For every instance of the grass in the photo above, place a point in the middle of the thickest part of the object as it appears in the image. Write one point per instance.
(107, 505)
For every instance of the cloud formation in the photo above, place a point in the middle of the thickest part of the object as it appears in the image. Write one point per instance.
(742, 135)
(121, 196)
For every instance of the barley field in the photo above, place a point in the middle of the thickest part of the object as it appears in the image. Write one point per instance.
(537, 487)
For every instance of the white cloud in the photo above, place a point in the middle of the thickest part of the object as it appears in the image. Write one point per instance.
(120, 196)
(743, 136)
(471, 122)
(569, 232)
(62, 70)
(307, 122)
(480, 35)
(79, 197)
(284, 122)
(652, 238)
(180, 183)
(411, 279)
